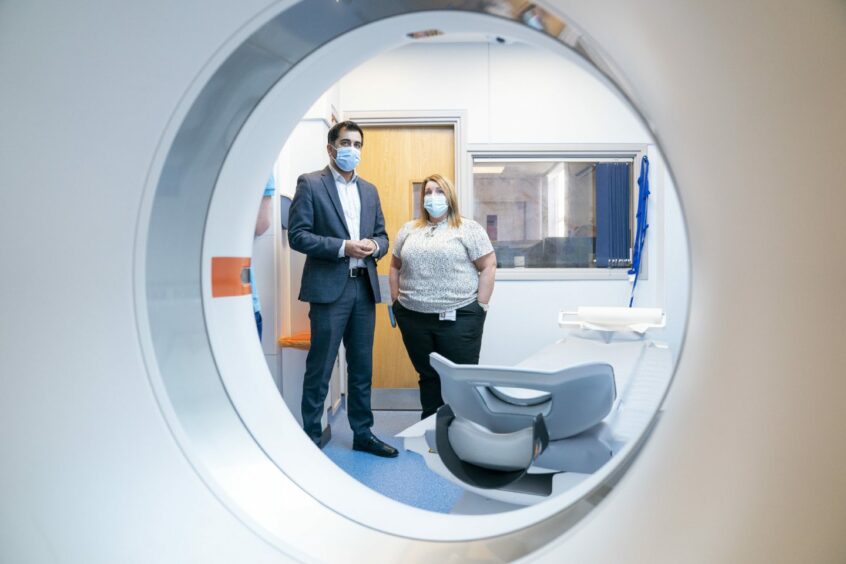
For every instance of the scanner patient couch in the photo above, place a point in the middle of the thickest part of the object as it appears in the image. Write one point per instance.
(522, 433)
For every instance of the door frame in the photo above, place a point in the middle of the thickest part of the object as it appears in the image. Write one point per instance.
(404, 118)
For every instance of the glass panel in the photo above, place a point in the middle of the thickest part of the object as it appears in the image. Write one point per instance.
(538, 214)
(416, 188)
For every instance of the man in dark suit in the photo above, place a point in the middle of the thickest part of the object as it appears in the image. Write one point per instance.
(336, 221)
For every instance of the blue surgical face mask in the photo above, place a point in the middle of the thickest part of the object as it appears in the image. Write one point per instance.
(435, 204)
(347, 158)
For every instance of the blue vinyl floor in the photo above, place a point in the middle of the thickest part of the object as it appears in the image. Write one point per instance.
(404, 478)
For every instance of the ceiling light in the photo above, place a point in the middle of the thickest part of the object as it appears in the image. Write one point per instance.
(487, 169)
(423, 34)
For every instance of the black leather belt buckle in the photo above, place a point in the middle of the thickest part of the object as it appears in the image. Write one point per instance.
(356, 272)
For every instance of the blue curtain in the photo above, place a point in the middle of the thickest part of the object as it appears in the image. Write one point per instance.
(613, 233)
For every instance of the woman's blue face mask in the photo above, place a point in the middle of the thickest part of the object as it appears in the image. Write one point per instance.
(435, 204)
(347, 158)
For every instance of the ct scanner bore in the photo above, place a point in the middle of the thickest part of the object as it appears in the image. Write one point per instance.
(109, 482)
(257, 118)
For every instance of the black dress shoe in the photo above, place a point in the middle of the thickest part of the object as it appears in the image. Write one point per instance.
(374, 446)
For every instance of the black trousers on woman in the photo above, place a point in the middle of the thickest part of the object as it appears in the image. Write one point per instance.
(425, 333)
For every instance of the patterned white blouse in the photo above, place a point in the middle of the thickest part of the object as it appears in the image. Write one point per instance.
(437, 272)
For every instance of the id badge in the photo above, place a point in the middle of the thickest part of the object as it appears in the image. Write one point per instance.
(447, 316)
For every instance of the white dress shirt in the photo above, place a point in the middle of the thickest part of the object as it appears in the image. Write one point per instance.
(351, 203)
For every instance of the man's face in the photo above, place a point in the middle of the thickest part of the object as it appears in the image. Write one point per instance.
(346, 138)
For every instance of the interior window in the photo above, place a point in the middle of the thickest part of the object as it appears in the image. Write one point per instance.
(556, 212)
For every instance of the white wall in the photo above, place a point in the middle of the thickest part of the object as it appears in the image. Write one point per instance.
(516, 94)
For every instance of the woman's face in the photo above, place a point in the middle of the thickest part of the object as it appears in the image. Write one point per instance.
(431, 188)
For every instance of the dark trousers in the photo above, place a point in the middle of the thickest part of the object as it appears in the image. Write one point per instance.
(424, 333)
(351, 319)
(258, 323)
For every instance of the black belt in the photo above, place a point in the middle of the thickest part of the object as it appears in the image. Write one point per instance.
(356, 272)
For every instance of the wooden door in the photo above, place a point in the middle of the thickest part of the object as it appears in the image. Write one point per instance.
(394, 158)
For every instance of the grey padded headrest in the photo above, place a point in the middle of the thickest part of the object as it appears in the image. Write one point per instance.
(497, 451)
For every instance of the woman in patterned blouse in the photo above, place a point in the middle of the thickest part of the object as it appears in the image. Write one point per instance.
(442, 277)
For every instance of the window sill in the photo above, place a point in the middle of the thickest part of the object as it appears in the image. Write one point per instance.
(563, 274)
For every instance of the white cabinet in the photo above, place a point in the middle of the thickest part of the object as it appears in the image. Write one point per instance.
(292, 370)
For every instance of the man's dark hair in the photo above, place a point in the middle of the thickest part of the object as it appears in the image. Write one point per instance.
(335, 132)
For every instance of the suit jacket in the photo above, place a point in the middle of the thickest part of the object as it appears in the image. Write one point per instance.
(317, 229)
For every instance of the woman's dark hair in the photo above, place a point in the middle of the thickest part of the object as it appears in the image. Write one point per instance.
(335, 132)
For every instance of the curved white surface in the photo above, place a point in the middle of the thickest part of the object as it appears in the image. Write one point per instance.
(747, 463)
(248, 385)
